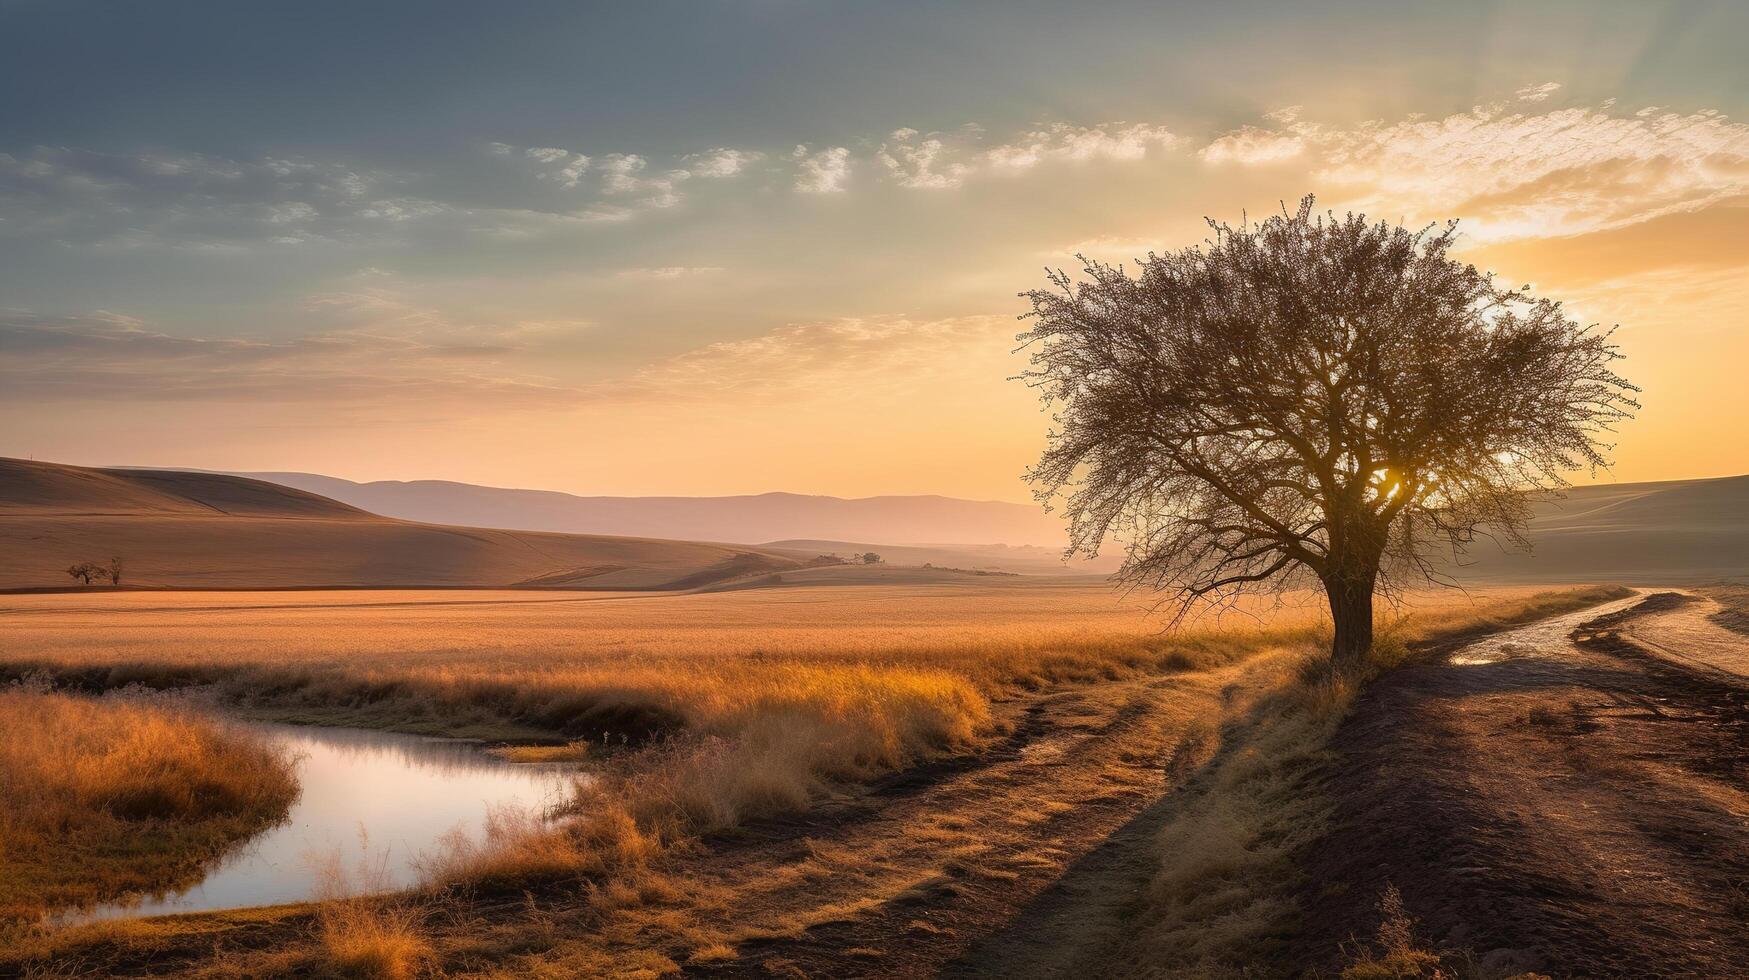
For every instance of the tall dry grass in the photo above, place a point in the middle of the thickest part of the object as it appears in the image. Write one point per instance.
(103, 797)
(359, 934)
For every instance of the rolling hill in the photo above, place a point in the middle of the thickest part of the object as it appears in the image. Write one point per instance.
(197, 529)
(204, 530)
(1673, 532)
(749, 519)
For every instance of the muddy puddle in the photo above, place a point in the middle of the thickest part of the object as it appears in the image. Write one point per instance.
(1540, 639)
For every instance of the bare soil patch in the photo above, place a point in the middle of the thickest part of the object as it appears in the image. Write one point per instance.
(1577, 810)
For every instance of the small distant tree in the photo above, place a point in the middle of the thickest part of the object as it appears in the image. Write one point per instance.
(114, 571)
(1313, 400)
(871, 559)
(85, 571)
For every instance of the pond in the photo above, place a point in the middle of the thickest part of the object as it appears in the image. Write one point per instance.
(369, 798)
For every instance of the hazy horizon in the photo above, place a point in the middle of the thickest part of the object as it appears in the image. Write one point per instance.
(742, 248)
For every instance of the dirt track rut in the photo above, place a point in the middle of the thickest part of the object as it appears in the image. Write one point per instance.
(1578, 807)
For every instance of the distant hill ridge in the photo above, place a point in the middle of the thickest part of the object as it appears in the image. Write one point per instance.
(922, 519)
(49, 488)
(182, 529)
(210, 530)
(1666, 532)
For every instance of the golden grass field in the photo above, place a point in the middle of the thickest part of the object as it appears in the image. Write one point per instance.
(773, 700)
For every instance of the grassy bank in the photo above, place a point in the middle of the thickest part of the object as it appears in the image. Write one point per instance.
(101, 798)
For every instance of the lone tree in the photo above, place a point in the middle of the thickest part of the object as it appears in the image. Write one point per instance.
(1309, 399)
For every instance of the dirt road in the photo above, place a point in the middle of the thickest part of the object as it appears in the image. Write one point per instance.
(1568, 798)
(906, 881)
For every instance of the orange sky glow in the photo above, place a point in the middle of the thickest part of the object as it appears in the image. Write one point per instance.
(828, 305)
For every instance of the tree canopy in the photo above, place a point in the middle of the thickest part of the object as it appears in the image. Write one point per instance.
(1313, 399)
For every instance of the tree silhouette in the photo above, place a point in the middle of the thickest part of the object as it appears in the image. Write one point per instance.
(1309, 399)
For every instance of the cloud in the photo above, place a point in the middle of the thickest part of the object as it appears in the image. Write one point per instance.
(939, 161)
(1061, 141)
(920, 163)
(203, 203)
(571, 174)
(1537, 93)
(825, 172)
(1513, 174)
(208, 205)
(668, 272)
(720, 162)
(212, 205)
(546, 154)
(107, 356)
(620, 172)
(831, 356)
(384, 350)
(1251, 146)
(553, 163)
(623, 174)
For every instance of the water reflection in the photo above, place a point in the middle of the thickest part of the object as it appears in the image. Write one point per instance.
(398, 794)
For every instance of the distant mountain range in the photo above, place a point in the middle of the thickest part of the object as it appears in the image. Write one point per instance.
(745, 519)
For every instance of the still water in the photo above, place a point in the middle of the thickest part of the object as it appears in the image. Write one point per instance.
(372, 799)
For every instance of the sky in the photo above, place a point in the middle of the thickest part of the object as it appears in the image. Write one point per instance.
(734, 246)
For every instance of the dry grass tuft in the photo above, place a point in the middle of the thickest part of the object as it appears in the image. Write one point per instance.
(360, 935)
(1395, 955)
(371, 942)
(104, 797)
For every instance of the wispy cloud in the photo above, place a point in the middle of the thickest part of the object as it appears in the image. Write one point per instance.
(834, 355)
(1515, 174)
(920, 162)
(668, 272)
(720, 162)
(1537, 93)
(1064, 142)
(938, 161)
(76, 196)
(111, 357)
(823, 172)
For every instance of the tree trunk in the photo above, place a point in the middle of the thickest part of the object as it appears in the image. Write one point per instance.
(1351, 611)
